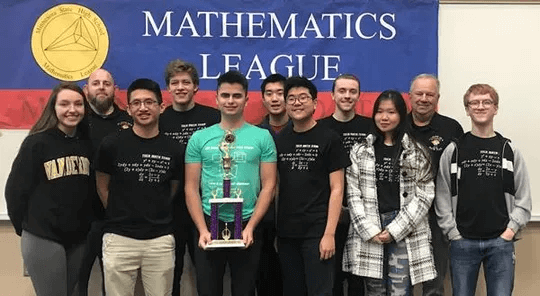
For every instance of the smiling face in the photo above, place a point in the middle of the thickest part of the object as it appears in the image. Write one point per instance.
(387, 118)
(69, 108)
(273, 99)
(231, 99)
(100, 90)
(424, 97)
(300, 104)
(144, 108)
(182, 89)
(481, 109)
(346, 93)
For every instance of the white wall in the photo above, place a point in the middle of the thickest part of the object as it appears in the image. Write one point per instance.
(498, 45)
(10, 141)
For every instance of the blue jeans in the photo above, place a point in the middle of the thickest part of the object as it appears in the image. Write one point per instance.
(396, 279)
(498, 258)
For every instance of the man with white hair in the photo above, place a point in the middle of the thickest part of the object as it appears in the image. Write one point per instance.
(435, 131)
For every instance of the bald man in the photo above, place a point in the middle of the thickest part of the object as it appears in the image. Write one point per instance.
(105, 117)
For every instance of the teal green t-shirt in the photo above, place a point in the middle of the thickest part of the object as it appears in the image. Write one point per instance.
(252, 145)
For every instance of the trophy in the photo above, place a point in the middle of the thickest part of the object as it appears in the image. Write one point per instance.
(226, 241)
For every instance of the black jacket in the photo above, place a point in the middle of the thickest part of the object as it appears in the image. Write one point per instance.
(47, 191)
(101, 126)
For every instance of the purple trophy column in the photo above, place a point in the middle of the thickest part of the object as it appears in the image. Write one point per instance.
(226, 187)
(214, 221)
(238, 221)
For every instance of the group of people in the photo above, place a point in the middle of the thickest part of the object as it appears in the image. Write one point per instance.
(381, 203)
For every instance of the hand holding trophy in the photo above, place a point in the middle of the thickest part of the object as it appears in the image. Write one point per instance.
(224, 240)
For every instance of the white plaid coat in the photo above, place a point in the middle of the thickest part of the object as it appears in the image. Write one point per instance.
(364, 258)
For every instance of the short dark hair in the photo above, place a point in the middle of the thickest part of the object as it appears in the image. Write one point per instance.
(233, 77)
(346, 76)
(179, 66)
(147, 84)
(276, 77)
(300, 81)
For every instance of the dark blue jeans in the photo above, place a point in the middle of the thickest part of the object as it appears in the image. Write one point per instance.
(304, 273)
(498, 258)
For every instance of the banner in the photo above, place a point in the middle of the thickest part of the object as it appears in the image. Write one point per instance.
(383, 42)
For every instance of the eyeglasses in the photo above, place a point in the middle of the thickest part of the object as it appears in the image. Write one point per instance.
(476, 103)
(301, 98)
(137, 104)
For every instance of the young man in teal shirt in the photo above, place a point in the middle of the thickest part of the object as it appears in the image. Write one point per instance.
(253, 177)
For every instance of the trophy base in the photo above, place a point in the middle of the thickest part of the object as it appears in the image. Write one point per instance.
(220, 243)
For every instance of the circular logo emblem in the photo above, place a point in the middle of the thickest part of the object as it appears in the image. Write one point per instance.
(69, 42)
(436, 141)
(125, 125)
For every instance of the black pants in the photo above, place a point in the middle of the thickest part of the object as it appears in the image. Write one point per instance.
(355, 283)
(269, 281)
(183, 236)
(304, 273)
(441, 255)
(243, 263)
(91, 252)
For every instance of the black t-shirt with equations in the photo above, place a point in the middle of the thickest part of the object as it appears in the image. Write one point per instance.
(387, 174)
(181, 125)
(141, 170)
(481, 208)
(351, 132)
(305, 161)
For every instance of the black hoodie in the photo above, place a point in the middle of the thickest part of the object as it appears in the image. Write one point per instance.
(47, 191)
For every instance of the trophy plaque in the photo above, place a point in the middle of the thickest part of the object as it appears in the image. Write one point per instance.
(222, 237)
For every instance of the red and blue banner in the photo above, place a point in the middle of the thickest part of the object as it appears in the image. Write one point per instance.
(383, 42)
